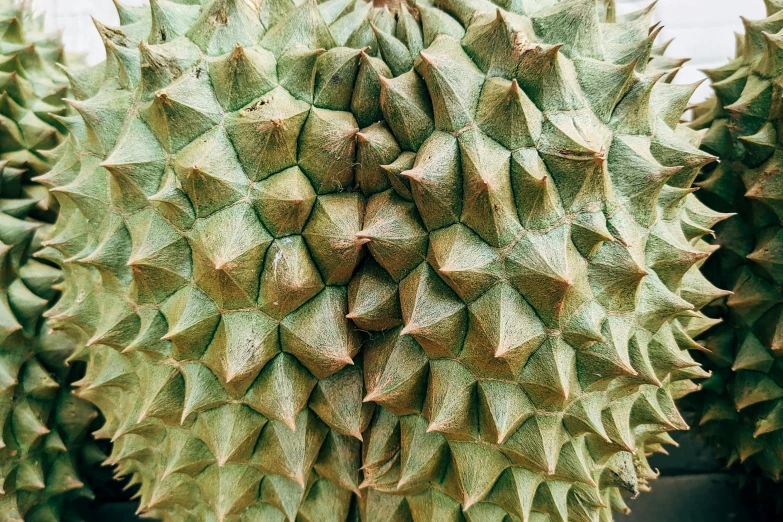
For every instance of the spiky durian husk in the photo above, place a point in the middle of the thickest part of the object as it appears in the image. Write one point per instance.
(502, 193)
(42, 424)
(33, 88)
(741, 408)
(543, 320)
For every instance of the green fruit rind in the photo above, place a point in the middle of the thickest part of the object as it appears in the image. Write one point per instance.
(739, 410)
(501, 193)
(42, 424)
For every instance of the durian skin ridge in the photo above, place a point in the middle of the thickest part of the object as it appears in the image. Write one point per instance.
(501, 195)
(43, 426)
(738, 409)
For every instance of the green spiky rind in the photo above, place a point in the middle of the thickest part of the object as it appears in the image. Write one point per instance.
(738, 411)
(499, 192)
(480, 378)
(33, 89)
(42, 424)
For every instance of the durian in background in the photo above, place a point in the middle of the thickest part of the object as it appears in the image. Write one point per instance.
(43, 424)
(347, 260)
(740, 411)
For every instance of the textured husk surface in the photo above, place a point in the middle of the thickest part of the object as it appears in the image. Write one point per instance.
(42, 424)
(351, 261)
(740, 411)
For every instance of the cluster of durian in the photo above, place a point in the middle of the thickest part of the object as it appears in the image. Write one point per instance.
(42, 424)
(740, 411)
(348, 260)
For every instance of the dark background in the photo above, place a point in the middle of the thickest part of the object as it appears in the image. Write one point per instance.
(693, 487)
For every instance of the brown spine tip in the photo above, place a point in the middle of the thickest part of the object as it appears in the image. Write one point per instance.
(392, 5)
(514, 90)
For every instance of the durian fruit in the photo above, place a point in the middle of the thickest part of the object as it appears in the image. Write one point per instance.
(33, 88)
(41, 423)
(740, 411)
(534, 272)
(377, 261)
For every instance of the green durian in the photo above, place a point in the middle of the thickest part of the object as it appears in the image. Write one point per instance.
(42, 424)
(739, 409)
(380, 261)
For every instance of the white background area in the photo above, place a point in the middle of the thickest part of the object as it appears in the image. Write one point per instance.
(702, 29)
